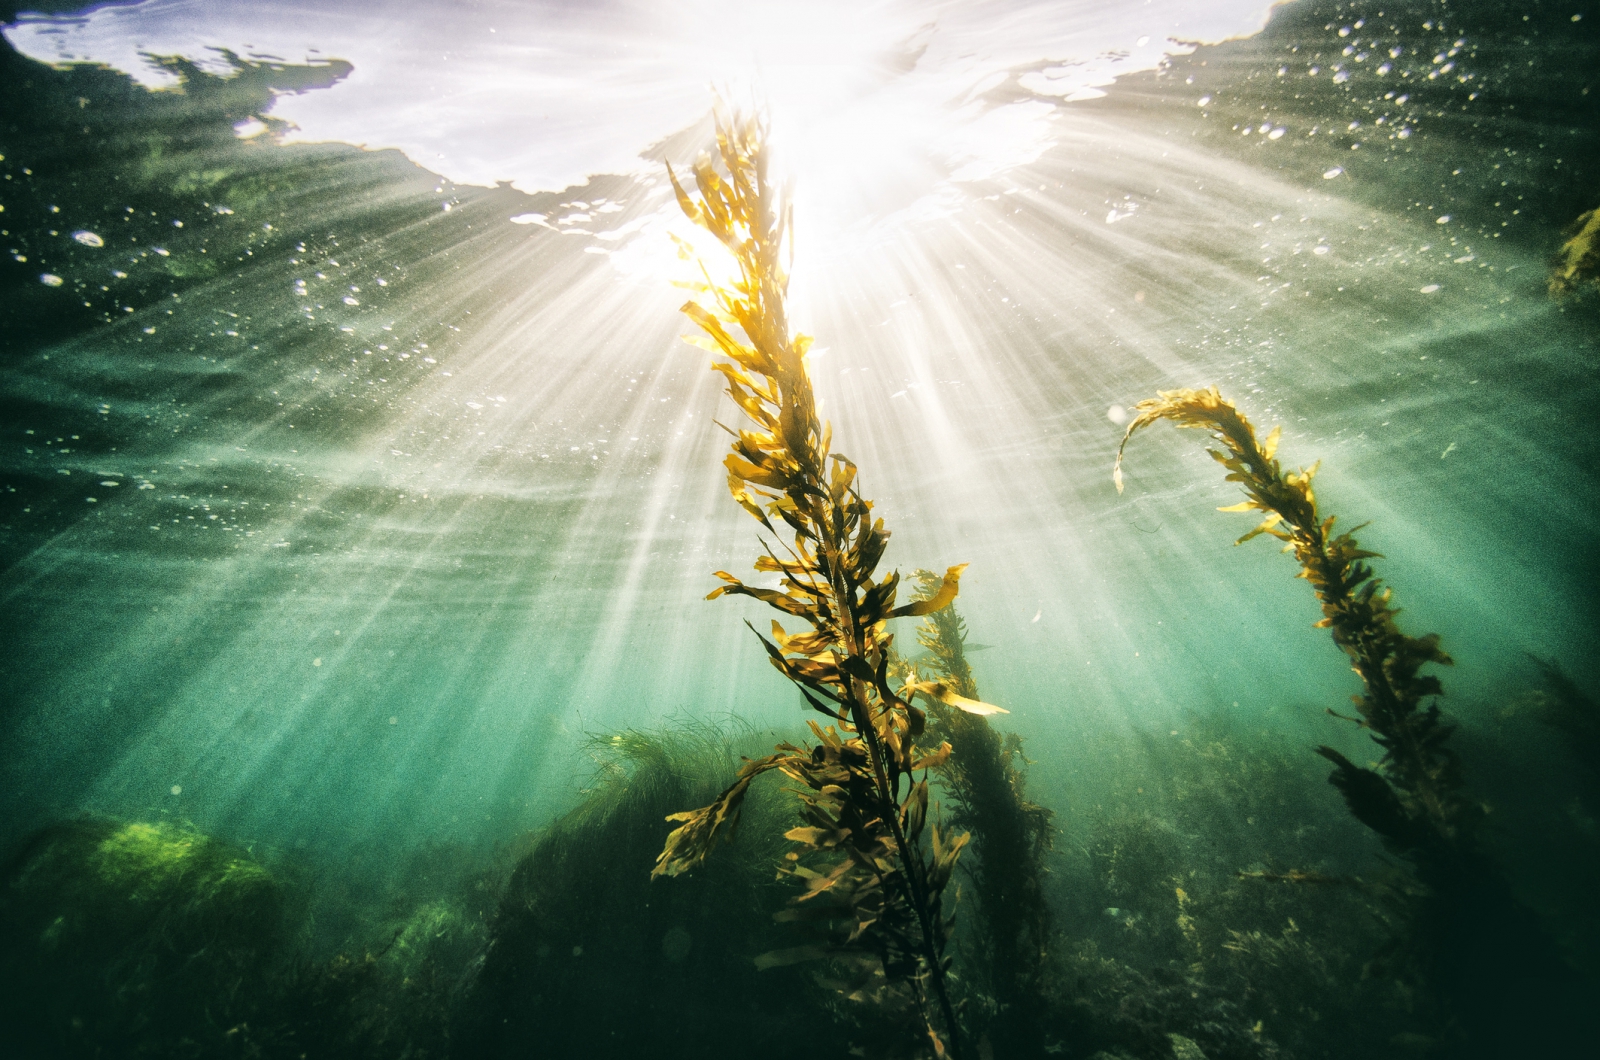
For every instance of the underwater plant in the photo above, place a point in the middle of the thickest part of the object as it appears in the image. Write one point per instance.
(1414, 797)
(985, 781)
(1501, 976)
(133, 938)
(873, 887)
(581, 924)
(1576, 267)
(1565, 707)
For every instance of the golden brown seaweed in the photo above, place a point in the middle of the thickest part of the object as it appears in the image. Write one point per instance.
(1483, 950)
(984, 777)
(872, 888)
(1413, 799)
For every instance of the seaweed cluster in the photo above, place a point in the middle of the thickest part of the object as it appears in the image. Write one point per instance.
(1197, 903)
(873, 888)
(1476, 943)
(1576, 267)
(151, 939)
(1158, 945)
(1206, 895)
(178, 928)
(1414, 798)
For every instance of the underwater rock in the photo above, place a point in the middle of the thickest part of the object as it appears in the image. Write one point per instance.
(121, 938)
(676, 944)
(139, 939)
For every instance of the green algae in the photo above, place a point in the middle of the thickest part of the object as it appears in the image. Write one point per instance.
(180, 931)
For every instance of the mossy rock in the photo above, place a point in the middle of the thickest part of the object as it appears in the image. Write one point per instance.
(132, 938)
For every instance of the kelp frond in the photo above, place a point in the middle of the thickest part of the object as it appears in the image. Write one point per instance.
(986, 783)
(1576, 267)
(872, 886)
(1413, 799)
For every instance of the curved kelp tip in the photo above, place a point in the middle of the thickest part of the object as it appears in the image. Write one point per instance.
(691, 842)
(1489, 956)
(1208, 410)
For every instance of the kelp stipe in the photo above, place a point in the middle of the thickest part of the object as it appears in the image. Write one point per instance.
(1486, 954)
(1010, 834)
(874, 891)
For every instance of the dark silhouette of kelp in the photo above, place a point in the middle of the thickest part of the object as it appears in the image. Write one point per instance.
(1482, 949)
(1571, 711)
(985, 781)
(874, 891)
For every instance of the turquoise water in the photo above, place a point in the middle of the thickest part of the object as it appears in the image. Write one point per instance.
(341, 502)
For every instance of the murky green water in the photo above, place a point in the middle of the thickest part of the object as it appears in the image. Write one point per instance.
(339, 511)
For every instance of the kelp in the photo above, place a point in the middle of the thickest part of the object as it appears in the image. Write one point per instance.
(1414, 797)
(1576, 267)
(581, 925)
(873, 886)
(1483, 949)
(985, 781)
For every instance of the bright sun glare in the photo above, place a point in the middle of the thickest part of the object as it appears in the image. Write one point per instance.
(861, 132)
